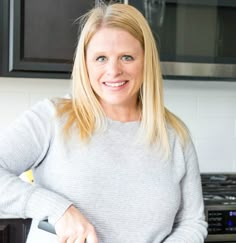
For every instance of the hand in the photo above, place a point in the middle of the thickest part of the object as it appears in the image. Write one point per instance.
(73, 227)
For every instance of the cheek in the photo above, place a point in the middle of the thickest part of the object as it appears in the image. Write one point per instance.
(94, 77)
(94, 73)
(138, 75)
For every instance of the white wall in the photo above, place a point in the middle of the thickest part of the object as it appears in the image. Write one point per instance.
(208, 108)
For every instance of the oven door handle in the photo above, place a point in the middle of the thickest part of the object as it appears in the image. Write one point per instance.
(44, 225)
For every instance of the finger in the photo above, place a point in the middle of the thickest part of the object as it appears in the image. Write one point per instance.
(75, 240)
(92, 238)
(80, 241)
(62, 239)
(70, 240)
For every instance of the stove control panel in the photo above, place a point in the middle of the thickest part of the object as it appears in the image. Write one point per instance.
(221, 223)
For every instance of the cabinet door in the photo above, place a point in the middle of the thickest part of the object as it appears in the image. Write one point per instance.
(39, 37)
(42, 36)
(14, 230)
(4, 233)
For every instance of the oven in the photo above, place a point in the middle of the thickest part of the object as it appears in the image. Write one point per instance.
(219, 193)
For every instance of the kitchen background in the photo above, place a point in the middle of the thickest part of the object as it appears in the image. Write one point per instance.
(208, 108)
(195, 38)
(196, 41)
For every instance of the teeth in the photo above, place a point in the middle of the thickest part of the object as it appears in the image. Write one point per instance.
(115, 84)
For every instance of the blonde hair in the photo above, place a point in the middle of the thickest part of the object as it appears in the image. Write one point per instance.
(84, 109)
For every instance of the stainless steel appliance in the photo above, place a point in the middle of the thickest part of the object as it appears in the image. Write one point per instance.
(219, 193)
(196, 38)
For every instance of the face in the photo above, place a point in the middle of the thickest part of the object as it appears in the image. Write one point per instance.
(114, 61)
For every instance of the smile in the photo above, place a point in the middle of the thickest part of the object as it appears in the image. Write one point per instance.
(117, 84)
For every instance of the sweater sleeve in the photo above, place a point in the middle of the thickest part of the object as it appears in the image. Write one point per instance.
(190, 225)
(23, 145)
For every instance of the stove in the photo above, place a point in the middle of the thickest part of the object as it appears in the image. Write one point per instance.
(219, 194)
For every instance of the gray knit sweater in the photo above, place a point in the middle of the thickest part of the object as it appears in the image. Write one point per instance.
(127, 190)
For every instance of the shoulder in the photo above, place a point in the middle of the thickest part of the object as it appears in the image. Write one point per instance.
(44, 106)
(49, 107)
(186, 145)
(183, 156)
(41, 113)
(42, 110)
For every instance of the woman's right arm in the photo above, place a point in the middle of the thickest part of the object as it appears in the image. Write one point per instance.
(23, 145)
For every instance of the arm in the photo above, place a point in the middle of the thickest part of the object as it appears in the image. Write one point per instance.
(190, 225)
(23, 146)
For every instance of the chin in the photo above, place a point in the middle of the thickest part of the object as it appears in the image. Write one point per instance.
(115, 102)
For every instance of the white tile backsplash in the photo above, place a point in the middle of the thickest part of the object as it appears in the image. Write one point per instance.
(218, 150)
(217, 166)
(184, 106)
(208, 109)
(219, 106)
(12, 104)
(214, 128)
(18, 94)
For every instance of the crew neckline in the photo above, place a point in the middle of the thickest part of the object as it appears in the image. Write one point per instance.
(111, 121)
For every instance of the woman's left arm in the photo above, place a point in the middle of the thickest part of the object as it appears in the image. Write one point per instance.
(190, 225)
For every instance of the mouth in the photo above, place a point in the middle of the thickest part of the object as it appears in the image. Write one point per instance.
(115, 84)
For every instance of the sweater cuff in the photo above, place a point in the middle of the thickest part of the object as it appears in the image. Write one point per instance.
(45, 204)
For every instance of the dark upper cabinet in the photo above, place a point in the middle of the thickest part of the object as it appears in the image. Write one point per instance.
(195, 38)
(38, 38)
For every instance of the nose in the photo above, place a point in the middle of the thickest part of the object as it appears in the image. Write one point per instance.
(114, 68)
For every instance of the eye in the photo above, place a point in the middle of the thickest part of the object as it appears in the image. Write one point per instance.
(127, 58)
(101, 58)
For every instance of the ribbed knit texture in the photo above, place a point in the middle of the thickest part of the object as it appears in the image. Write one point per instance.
(126, 189)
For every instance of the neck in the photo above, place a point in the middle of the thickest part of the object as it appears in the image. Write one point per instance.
(123, 114)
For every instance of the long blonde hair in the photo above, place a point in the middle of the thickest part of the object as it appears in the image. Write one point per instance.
(84, 109)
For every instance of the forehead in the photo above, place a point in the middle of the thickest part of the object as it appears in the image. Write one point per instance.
(112, 38)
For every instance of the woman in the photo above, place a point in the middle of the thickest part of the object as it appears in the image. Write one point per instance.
(111, 164)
